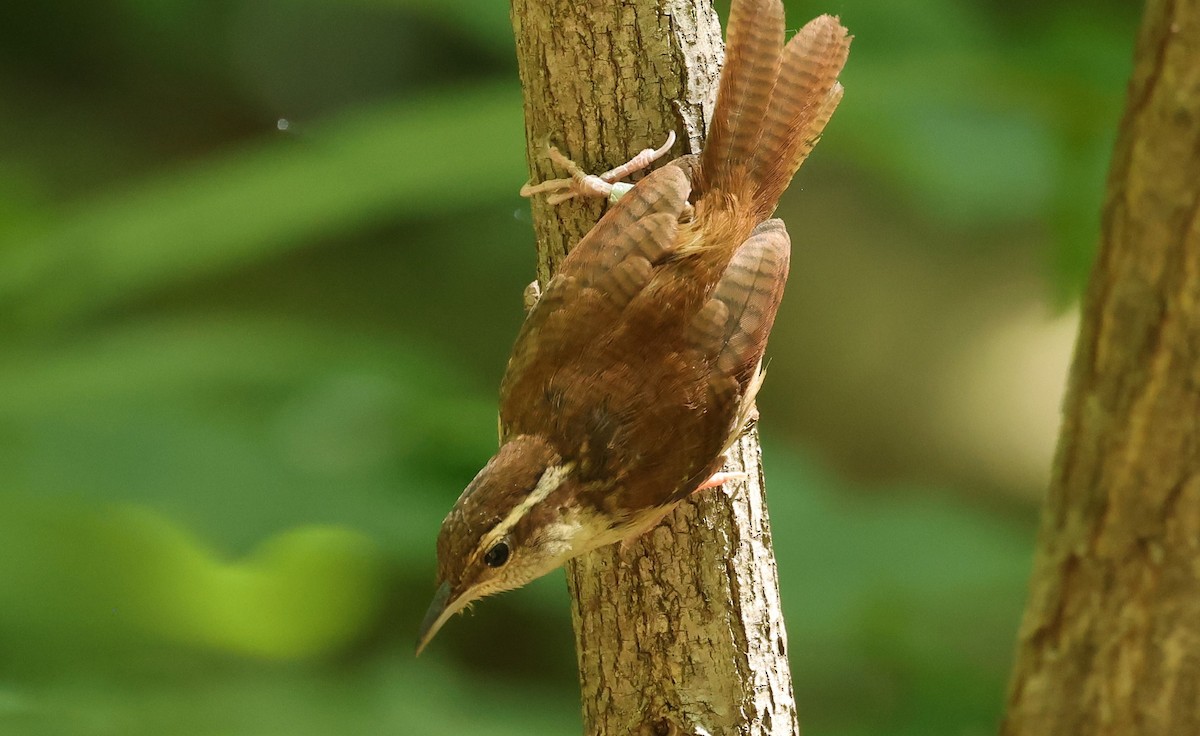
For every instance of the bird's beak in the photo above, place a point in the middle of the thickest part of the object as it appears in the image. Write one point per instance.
(440, 610)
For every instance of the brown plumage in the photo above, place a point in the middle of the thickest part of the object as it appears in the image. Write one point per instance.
(638, 366)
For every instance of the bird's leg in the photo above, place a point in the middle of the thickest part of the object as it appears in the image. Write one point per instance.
(582, 184)
(646, 157)
(718, 479)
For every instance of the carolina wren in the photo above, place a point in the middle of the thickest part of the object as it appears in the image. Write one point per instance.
(637, 367)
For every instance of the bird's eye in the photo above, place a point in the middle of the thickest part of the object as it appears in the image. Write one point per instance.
(497, 555)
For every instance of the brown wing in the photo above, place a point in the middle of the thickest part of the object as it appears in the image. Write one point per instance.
(731, 329)
(663, 192)
(603, 272)
(695, 397)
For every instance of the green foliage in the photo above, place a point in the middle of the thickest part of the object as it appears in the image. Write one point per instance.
(129, 572)
(244, 371)
(981, 119)
(393, 160)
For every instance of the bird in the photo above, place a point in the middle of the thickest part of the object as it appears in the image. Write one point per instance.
(638, 365)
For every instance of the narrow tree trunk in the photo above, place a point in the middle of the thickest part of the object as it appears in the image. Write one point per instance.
(1110, 643)
(681, 632)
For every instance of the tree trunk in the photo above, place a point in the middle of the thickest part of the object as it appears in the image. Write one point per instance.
(1110, 643)
(680, 632)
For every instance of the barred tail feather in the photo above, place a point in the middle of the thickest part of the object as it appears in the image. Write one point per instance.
(804, 97)
(752, 63)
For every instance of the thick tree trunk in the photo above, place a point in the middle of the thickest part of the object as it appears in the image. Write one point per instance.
(681, 632)
(1110, 643)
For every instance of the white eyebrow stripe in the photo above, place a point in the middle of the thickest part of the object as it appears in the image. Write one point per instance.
(550, 480)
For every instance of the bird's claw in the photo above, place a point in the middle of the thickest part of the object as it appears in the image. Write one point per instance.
(582, 184)
(722, 478)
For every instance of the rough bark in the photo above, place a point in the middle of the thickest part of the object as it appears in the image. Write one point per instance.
(681, 632)
(1110, 643)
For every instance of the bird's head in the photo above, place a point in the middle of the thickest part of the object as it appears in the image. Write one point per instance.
(517, 520)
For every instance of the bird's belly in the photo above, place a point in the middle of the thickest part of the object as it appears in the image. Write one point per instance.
(601, 532)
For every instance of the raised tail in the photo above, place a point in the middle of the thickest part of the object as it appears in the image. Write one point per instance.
(752, 57)
(773, 102)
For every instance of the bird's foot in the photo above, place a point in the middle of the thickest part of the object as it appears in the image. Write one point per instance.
(719, 479)
(582, 184)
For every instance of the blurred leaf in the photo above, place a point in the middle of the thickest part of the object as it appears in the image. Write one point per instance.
(245, 427)
(486, 21)
(981, 118)
(899, 605)
(86, 572)
(307, 592)
(438, 155)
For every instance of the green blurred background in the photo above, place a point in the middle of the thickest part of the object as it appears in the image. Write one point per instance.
(261, 262)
